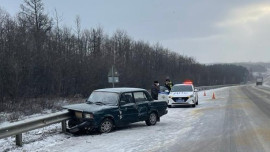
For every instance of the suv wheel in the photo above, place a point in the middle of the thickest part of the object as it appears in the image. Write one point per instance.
(106, 126)
(152, 120)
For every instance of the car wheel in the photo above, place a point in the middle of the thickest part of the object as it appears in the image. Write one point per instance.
(197, 102)
(152, 120)
(106, 126)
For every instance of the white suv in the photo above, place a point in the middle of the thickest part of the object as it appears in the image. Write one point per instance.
(183, 94)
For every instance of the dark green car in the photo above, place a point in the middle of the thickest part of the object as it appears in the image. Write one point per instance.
(113, 107)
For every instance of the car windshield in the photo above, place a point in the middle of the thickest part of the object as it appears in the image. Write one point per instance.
(182, 88)
(108, 98)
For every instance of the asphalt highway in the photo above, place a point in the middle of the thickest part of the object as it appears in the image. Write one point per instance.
(238, 122)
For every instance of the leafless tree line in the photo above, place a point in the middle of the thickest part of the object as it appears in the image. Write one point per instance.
(38, 58)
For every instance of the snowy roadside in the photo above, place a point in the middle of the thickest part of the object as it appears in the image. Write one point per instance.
(5, 123)
(7, 118)
(135, 137)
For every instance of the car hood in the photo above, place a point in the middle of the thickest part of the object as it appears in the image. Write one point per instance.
(84, 107)
(180, 94)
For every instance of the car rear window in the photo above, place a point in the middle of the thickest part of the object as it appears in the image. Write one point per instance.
(182, 88)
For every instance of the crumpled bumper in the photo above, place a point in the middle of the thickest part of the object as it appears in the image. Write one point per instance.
(81, 126)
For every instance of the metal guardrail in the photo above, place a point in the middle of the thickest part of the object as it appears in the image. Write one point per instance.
(214, 87)
(20, 127)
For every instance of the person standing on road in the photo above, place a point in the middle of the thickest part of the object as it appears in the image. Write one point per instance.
(168, 84)
(155, 90)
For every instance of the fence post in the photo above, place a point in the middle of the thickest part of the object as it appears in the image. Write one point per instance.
(19, 139)
(64, 126)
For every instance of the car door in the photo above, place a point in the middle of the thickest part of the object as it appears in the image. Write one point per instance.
(142, 102)
(163, 93)
(128, 108)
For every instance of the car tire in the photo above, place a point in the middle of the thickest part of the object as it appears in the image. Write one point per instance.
(197, 102)
(152, 120)
(106, 126)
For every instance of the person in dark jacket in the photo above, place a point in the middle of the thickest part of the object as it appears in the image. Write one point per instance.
(168, 84)
(155, 90)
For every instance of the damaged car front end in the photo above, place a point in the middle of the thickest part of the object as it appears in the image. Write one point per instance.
(91, 114)
(81, 121)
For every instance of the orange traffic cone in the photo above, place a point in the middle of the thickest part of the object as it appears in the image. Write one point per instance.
(213, 97)
(204, 94)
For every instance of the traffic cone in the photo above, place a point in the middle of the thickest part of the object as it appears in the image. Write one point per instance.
(204, 94)
(213, 97)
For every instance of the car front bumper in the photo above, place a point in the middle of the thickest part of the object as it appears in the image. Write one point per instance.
(190, 101)
(83, 124)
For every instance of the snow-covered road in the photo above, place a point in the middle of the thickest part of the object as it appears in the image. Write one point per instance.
(237, 120)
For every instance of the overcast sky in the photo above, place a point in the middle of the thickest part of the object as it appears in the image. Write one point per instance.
(210, 30)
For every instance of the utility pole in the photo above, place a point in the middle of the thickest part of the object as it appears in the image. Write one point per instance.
(113, 76)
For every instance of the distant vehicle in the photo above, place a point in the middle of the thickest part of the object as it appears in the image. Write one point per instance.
(163, 93)
(183, 94)
(113, 107)
(259, 81)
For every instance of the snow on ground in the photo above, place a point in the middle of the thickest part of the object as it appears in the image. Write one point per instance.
(179, 122)
(23, 118)
(10, 117)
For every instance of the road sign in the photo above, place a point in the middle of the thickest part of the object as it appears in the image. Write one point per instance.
(113, 79)
(113, 76)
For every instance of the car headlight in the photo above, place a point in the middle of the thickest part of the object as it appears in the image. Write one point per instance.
(88, 115)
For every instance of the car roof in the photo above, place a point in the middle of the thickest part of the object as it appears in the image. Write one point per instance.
(183, 84)
(120, 90)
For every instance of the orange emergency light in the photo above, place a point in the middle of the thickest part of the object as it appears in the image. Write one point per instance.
(188, 82)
